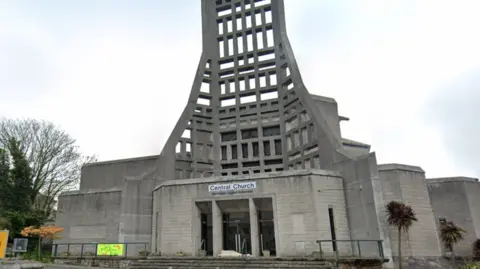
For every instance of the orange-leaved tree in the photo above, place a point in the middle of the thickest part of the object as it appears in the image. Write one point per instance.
(49, 232)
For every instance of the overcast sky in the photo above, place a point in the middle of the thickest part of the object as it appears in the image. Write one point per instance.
(113, 72)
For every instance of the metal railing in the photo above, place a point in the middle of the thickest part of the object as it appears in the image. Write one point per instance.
(94, 254)
(352, 248)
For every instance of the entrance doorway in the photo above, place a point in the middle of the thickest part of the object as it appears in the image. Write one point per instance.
(266, 226)
(267, 232)
(236, 232)
(206, 227)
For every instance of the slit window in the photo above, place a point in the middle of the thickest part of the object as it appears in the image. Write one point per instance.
(221, 49)
(278, 147)
(234, 152)
(273, 79)
(224, 152)
(230, 47)
(239, 24)
(268, 16)
(248, 20)
(240, 44)
(258, 19)
(260, 40)
(220, 28)
(332, 228)
(249, 42)
(255, 149)
(245, 151)
(270, 40)
(266, 148)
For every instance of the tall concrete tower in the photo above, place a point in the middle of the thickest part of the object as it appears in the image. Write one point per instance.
(248, 110)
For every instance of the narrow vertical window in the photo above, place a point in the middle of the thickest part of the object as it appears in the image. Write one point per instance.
(332, 229)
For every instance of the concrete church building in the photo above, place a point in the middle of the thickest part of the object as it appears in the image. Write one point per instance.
(258, 163)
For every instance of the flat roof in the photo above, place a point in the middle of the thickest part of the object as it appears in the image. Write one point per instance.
(135, 159)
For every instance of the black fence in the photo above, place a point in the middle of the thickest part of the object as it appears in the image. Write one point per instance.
(351, 248)
(84, 250)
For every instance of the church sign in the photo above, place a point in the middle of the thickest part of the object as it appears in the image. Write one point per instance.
(232, 188)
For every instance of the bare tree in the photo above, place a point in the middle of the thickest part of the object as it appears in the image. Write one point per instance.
(52, 154)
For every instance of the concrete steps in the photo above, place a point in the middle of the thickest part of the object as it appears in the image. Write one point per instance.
(227, 263)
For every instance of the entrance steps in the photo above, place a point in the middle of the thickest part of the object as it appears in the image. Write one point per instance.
(227, 263)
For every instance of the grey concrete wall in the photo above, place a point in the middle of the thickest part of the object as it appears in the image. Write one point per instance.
(473, 194)
(403, 183)
(88, 217)
(358, 176)
(457, 200)
(329, 108)
(111, 174)
(135, 224)
(301, 200)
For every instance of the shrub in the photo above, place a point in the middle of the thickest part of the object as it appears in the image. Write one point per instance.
(476, 248)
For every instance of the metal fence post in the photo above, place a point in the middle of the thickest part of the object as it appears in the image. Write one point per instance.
(320, 248)
(126, 249)
(68, 249)
(146, 250)
(336, 251)
(81, 251)
(96, 249)
(55, 252)
(359, 249)
(380, 249)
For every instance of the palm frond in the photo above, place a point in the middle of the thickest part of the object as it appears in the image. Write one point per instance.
(451, 234)
(476, 248)
(400, 215)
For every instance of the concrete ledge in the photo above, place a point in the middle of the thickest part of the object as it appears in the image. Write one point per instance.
(21, 264)
(194, 181)
(354, 143)
(402, 167)
(70, 193)
(323, 98)
(123, 160)
(451, 179)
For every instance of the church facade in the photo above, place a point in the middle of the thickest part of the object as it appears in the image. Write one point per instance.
(258, 165)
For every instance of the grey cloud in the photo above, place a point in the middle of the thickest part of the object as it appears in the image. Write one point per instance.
(455, 111)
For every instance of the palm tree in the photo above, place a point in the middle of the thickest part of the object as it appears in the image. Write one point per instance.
(450, 235)
(476, 249)
(402, 217)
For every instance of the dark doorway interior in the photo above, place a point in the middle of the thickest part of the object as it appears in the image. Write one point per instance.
(207, 233)
(236, 232)
(266, 232)
(206, 227)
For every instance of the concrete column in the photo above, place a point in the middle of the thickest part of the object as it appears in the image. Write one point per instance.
(254, 228)
(196, 230)
(217, 226)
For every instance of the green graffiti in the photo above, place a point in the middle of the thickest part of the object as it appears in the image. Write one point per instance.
(110, 249)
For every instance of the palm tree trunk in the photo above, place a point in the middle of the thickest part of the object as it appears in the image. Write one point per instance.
(453, 257)
(400, 262)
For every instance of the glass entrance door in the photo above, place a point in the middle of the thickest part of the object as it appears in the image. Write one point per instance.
(236, 232)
